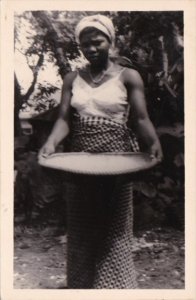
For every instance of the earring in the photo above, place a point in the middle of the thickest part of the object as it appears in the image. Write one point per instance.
(110, 52)
(113, 53)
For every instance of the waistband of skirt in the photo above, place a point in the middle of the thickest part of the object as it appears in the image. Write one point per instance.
(96, 120)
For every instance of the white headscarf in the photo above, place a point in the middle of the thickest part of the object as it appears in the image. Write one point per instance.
(100, 22)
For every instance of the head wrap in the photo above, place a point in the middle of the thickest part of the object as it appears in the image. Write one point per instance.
(100, 22)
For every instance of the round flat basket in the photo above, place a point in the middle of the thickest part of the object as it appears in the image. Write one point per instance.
(99, 164)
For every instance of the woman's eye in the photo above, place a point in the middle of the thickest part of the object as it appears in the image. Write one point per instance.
(84, 45)
(96, 43)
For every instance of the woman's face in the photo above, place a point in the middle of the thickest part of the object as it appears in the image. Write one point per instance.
(95, 46)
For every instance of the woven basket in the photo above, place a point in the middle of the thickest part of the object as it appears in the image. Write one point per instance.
(99, 164)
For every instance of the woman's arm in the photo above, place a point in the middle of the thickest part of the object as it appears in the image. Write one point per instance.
(144, 126)
(61, 126)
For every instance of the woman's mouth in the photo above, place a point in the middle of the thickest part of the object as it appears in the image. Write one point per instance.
(93, 56)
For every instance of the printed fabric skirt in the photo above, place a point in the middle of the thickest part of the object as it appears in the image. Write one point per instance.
(100, 212)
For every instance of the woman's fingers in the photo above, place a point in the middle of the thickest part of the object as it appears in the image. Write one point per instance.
(45, 151)
(156, 152)
(159, 156)
(41, 154)
(152, 155)
(45, 154)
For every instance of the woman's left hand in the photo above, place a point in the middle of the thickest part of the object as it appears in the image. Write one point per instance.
(155, 151)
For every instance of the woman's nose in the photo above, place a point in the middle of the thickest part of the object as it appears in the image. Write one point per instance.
(92, 49)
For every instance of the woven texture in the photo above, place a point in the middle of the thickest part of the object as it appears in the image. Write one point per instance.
(100, 214)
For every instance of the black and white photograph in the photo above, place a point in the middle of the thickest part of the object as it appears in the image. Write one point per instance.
(99, 192)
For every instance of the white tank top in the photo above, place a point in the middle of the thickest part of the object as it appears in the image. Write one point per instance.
(109, 100)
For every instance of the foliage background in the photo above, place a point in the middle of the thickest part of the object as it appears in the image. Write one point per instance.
(153, 44)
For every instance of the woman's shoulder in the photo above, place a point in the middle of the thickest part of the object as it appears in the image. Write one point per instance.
(70, 75)
(131, 76)
(69, 78)
(126, 71)
(83, 70)
(131, 72)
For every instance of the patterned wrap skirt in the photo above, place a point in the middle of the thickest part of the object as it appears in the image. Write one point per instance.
(100, 212)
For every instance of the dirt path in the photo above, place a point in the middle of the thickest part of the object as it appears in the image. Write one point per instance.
(40, 258)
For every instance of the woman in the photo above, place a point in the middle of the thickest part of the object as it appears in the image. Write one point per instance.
(96, 102)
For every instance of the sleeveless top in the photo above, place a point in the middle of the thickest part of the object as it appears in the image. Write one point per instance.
(109, 100)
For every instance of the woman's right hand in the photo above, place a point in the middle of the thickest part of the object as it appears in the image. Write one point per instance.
(47, 149)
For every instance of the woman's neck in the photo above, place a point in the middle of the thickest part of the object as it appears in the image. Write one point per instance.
(98, 68)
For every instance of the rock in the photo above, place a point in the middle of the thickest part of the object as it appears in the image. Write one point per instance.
(24, 265)
(176, 249)
(24, 246)
(176, 273)
(46, 247)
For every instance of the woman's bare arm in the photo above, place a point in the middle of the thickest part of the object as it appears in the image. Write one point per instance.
(144, 126)
(61, 126)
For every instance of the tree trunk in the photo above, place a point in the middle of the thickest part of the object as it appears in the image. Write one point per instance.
(58, 50)
(18, 100)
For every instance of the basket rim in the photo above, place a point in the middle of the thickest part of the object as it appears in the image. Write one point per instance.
(152, 162)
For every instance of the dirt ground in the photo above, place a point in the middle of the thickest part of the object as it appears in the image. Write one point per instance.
(40, 258)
